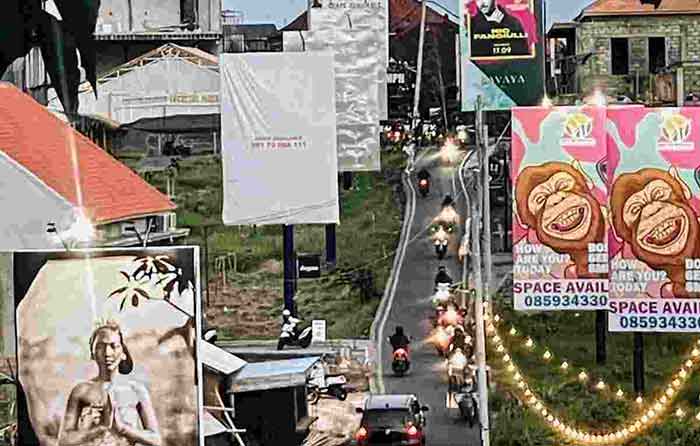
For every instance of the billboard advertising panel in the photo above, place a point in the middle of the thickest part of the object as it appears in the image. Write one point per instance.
(359, 15)
(356, 32)
(278, 124)
(502, 53)
(559, 225)
(106, 347)
(654, 209)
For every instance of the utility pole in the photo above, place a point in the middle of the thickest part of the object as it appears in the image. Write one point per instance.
(480, 329)
(483, 147)
(419, 71)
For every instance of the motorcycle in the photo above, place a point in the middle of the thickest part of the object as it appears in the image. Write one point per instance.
(442, 339)
(292, 337)
(467, 401)
(400, 362)
(450, 316)
(441, 248)
(322, 384)
(424, 187)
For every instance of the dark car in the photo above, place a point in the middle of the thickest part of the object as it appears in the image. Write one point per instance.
(391, 420)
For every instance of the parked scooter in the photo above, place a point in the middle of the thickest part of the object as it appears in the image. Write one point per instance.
(290, 335)
(321, 384)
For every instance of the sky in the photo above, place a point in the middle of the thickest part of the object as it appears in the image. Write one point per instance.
(281, 12)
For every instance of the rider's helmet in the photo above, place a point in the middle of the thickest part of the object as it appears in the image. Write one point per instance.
(399, 330)
(448, 201)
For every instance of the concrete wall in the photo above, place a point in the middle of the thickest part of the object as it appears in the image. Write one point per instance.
(149, 14)
(145, 14)
(682, 35)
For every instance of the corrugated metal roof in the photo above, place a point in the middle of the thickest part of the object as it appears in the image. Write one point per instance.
(274, 368)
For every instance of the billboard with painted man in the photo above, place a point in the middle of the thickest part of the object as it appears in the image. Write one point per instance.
(654, 161)
(559, 225)
(502, 53)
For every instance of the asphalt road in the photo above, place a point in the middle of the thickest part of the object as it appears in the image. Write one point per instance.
(412, 308)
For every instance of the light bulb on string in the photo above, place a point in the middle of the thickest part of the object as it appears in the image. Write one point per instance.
(529, 343)
(639, 400)
(680, 413)
(600, 385)
(583, 376)
(564, 366)
(620, 393)
(547, 355)
(513, 331)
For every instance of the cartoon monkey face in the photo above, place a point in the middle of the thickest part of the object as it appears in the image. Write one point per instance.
(565, 215)
(661, 226)
(554, 199)
(651, 212)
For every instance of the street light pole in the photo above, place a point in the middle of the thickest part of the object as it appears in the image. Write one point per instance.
(419, 72)
(481, 287)
(480, 329)
(484, 143)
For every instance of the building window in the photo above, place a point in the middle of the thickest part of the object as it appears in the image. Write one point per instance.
(620, 56)
(657, 54)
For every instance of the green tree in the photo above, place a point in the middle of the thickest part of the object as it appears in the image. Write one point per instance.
(24, 25)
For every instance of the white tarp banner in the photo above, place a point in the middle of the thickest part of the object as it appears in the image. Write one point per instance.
(357, 92)
(357, 31)
(278, 128)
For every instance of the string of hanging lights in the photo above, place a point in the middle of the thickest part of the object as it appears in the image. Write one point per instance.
(649, 414)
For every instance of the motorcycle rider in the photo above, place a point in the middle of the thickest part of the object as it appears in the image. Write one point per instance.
(423, 174)
(289, 323)
(459, 340)
(442, 276)
(447, 201)
(399, 339)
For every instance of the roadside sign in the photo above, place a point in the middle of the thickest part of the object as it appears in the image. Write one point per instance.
(309, 266)
(318, 331)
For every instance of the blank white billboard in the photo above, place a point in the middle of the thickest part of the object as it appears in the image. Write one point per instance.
(278, 128)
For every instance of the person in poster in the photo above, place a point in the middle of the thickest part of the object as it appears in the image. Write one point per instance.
(95, 331)
(495, 33)
(110, 406)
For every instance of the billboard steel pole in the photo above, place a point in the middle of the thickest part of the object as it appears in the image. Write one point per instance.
(289, 268)
(419, 71)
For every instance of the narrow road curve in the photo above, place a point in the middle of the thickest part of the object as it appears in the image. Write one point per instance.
(411, 308)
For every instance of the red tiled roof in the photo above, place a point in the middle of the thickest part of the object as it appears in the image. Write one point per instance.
(41, 143)
(635, 7)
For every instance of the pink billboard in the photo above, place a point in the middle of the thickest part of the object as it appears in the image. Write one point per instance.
(654, 237)
(560, 249)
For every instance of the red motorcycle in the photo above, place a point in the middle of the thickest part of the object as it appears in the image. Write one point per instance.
(400, 362)
(424, 187)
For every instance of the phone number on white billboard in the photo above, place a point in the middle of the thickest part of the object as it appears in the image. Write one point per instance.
(544, 295)
(654, 315)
